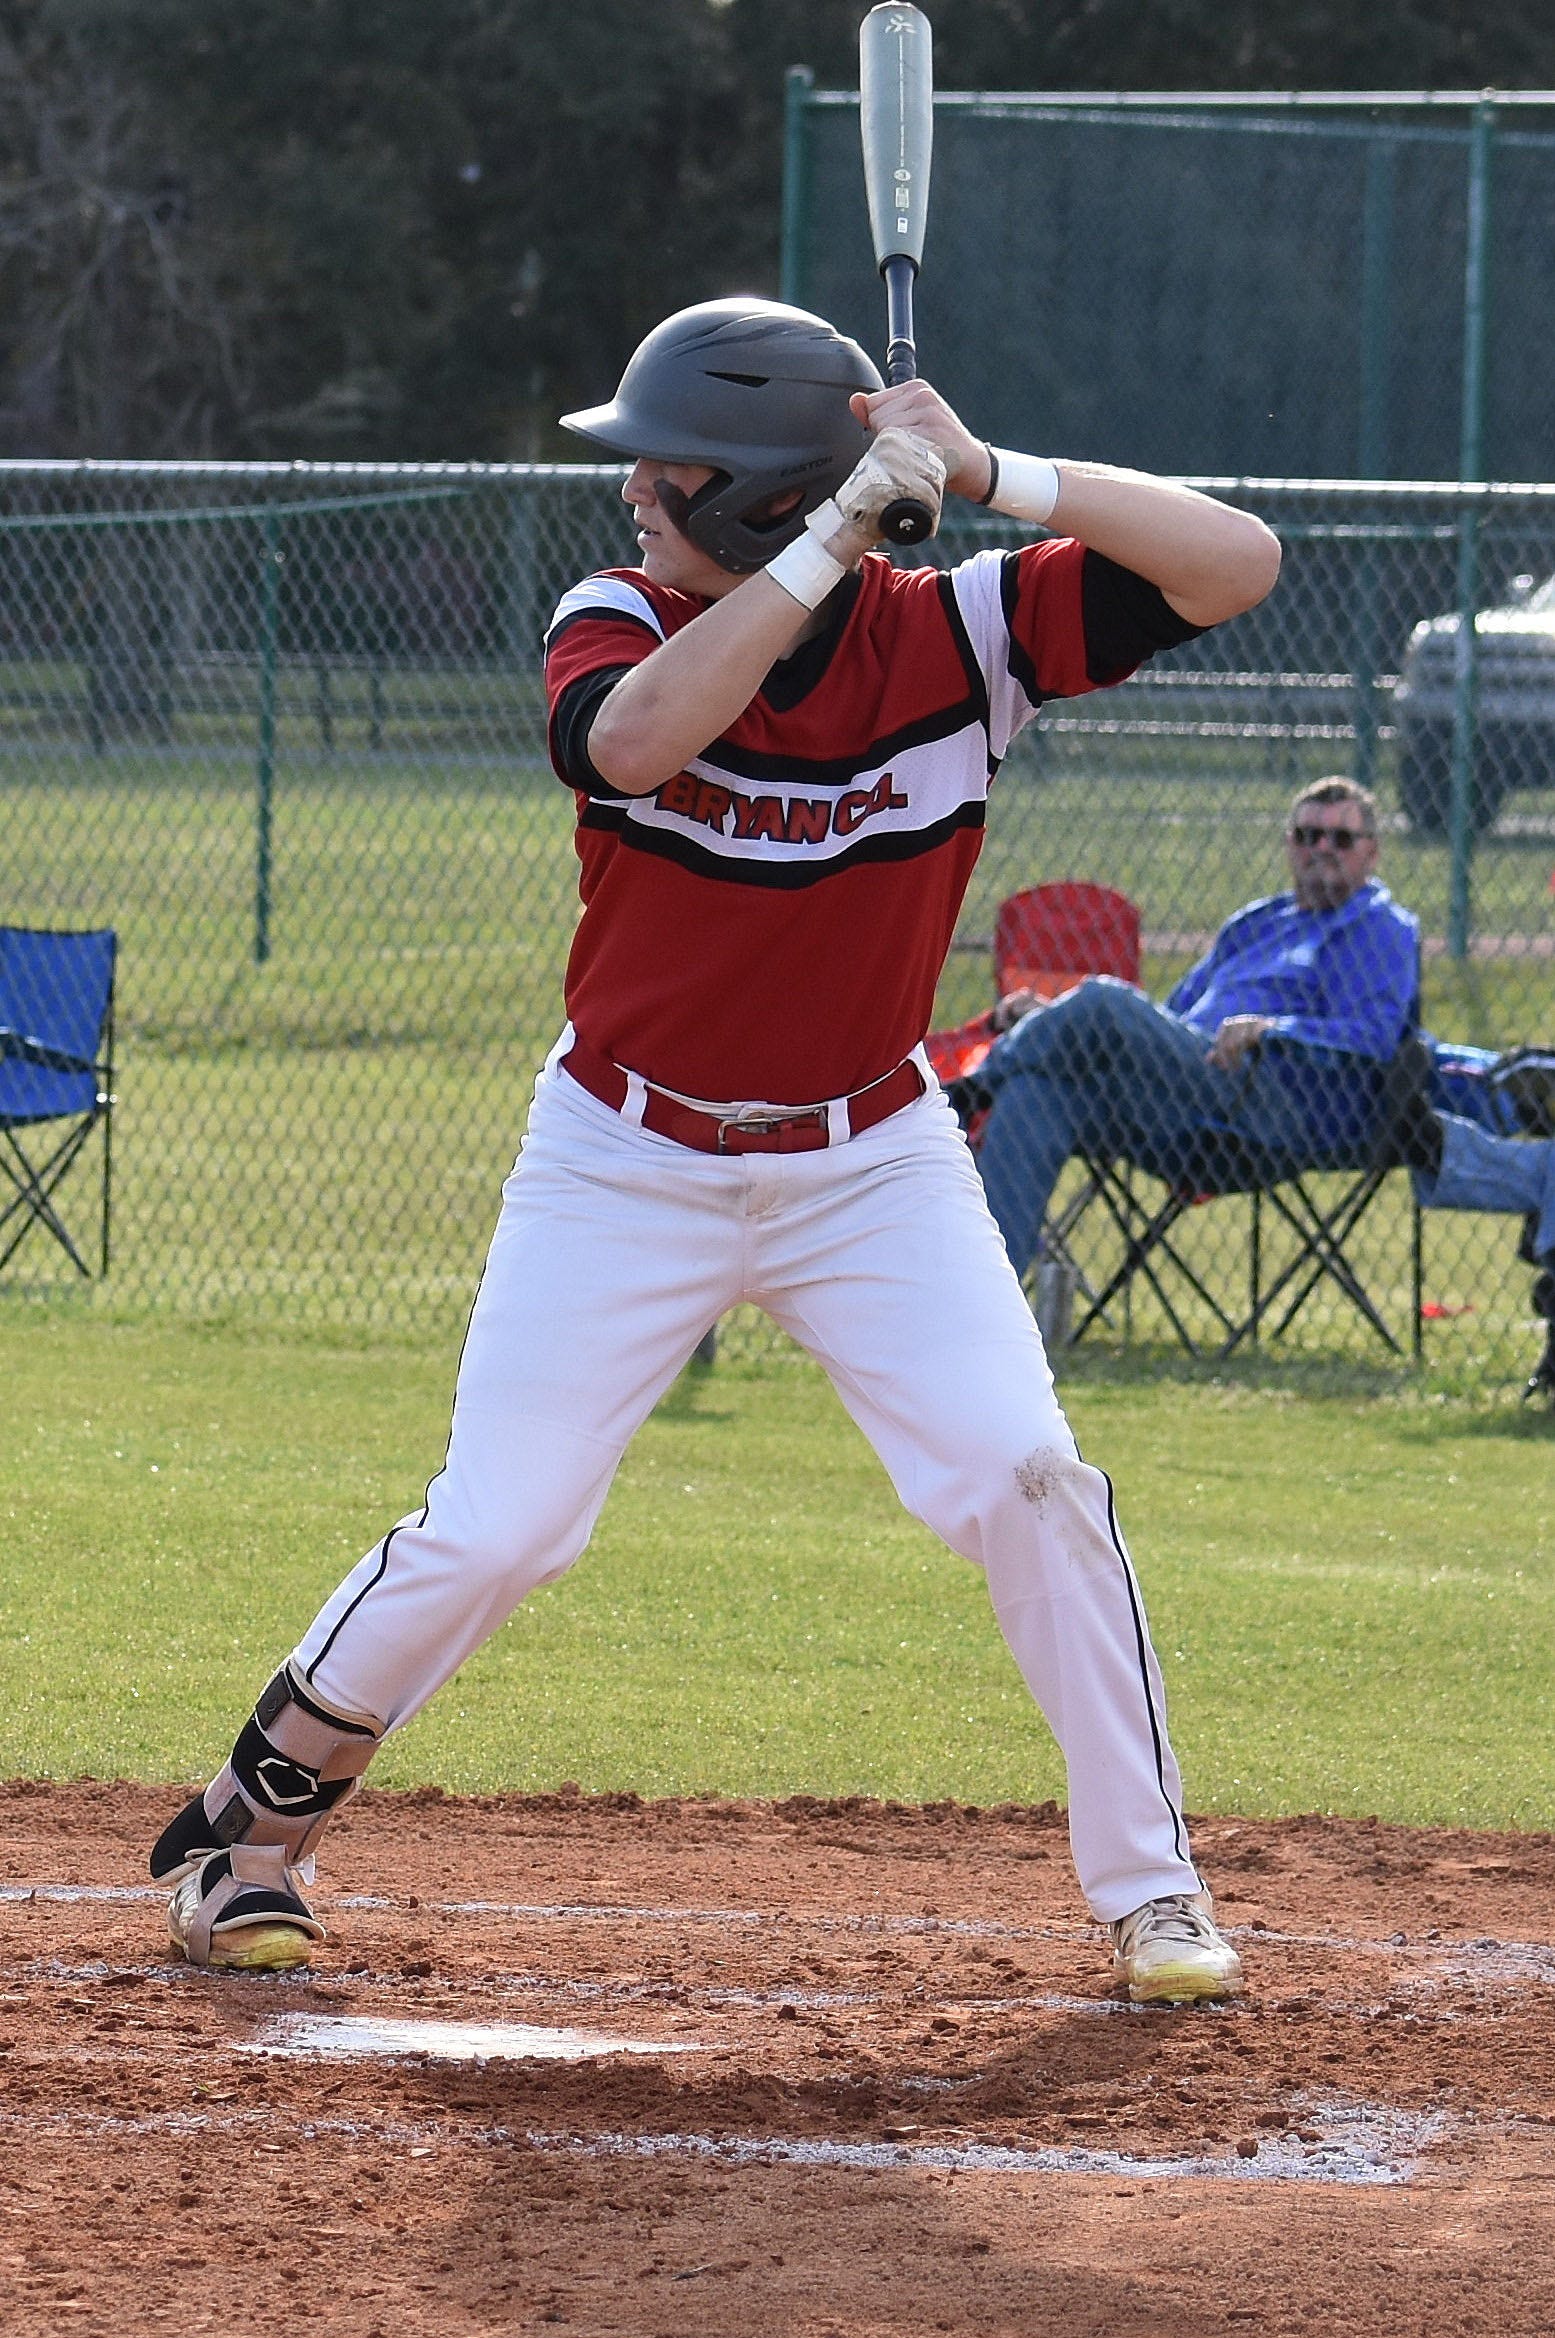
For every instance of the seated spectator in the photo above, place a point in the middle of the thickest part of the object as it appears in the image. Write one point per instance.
(1279, 1038)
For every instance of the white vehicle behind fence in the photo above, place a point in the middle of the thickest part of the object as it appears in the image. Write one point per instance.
(1515, 738)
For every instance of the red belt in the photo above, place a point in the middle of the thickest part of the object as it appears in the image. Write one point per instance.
(705, 1132)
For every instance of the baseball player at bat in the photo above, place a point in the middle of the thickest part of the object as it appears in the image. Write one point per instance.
(780, 747)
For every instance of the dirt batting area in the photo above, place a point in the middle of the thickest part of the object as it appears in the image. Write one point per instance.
(828, 2069)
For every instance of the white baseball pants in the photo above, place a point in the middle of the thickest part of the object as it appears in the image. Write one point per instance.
(615, 1251)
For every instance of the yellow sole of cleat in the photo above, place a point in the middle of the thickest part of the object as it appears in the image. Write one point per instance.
(261, 1948)
(1182, 1989)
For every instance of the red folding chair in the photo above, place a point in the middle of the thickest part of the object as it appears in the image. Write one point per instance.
(1045, 940)
(1050, 937)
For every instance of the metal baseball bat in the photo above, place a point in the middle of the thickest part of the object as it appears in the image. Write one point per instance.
(896, 124)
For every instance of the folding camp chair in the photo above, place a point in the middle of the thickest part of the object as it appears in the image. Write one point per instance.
(56, 1075)
(1321, 1218)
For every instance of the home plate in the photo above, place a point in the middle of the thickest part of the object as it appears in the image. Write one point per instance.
(356, 2035)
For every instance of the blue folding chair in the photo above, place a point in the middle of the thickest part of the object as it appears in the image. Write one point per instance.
(56, 1075)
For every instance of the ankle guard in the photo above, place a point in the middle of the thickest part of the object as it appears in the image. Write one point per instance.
(293, 1766)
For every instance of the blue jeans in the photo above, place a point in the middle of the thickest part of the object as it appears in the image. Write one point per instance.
(1104, 1069)
(1482, 1171)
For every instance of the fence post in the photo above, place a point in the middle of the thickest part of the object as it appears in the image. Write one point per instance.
(1376, 303)
(1372, 436)
(1465, 725)
(523, 618)
(1471, 467)
(264, 774)
(797, 85)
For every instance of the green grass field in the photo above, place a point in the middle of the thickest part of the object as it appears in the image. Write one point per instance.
(1347, 1563)
(1353, 1593)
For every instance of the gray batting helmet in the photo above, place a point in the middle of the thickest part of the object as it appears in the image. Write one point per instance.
(759, 392)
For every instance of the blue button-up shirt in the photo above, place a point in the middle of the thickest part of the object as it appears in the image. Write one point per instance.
(1345, 978)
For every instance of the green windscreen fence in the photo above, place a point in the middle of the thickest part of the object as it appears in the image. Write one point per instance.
(1316, 287)
(281, 729)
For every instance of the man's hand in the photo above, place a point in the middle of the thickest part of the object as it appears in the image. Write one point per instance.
(1013, 1008)
(1234, 1042)
(918, 407)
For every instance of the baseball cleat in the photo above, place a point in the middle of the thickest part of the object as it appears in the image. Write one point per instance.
(242, 1911)
(1169, 1952)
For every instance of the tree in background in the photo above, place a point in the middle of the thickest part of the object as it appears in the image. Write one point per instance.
(422, 228)
(119, 333)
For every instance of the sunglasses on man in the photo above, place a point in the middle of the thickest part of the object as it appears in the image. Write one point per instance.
(1340, 838)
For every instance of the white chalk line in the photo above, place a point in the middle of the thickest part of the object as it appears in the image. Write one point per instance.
(1366, 2145)
(679, 1995)
(1525, 1960)
(1356, 2151)
(689, 2002)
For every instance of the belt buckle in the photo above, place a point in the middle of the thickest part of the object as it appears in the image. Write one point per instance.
(758, 1125)
(764, 1125)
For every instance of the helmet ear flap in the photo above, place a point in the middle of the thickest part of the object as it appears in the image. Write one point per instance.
(739, 541)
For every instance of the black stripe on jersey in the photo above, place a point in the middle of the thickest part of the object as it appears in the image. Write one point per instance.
(842, 770)
(956, 625)
(1018, 658)
(572, 718)
(669, 844)
(792, 679)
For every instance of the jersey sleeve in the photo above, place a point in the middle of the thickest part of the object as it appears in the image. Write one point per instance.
(571, 720)
(1055, 620)
(601, 629)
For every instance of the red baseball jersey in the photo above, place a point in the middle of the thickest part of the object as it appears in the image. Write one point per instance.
(770, 924)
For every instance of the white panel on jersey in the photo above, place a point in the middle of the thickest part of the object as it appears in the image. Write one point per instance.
(978, 587)
(612, 594)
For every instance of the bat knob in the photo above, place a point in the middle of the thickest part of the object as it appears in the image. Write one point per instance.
(906, 521)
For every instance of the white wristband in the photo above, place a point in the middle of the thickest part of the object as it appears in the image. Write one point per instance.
(805, 569)
(1025, 487)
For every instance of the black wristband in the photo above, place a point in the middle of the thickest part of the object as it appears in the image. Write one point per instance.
(993, 475)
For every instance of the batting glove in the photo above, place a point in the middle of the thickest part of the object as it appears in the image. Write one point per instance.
(897, 464)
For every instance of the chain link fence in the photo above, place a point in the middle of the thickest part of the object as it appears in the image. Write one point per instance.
(281, 728)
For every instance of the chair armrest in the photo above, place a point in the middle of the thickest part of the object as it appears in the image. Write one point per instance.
(1332, 1059)
(16, 1047)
